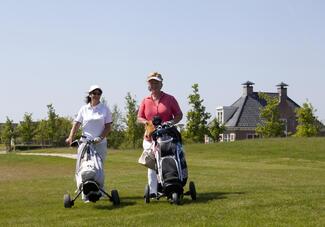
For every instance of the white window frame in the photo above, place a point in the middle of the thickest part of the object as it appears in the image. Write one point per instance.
(232, 137)
(220, 116)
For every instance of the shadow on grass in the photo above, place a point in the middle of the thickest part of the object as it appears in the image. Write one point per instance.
(209, 196)
(110, 206)
(201, 198)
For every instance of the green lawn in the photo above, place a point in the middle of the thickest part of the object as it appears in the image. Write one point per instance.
(278, 182)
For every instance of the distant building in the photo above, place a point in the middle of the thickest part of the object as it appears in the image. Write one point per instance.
(242, 117)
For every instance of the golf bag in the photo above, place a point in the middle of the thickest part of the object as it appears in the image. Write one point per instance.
(89, 176)
(170, 159)
(89, 169)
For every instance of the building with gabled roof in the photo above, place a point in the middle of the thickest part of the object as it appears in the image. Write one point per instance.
(243, 116)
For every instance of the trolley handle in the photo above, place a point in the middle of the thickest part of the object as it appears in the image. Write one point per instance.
(76, 143)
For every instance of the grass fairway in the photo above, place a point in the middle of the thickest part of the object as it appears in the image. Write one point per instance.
(278, 182)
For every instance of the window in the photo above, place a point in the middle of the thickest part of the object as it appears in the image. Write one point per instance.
(232, 136)
(252, 136)
(226, 137)
(220, 116)
(206, 139)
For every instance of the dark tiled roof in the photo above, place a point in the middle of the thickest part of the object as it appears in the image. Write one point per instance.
(250, 113)
(247, 112)
(232, 121)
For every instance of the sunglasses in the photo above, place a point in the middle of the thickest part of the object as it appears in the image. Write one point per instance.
(97, 93)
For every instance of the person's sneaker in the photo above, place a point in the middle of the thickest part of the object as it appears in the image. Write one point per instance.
(86, 201)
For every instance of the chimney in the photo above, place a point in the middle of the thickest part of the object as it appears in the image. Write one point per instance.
(248, 88)
(282, 91)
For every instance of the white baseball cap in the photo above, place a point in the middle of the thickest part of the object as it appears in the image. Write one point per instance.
(155, 76)
(94, 87)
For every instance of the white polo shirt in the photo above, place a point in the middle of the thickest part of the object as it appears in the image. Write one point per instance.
(93, 119)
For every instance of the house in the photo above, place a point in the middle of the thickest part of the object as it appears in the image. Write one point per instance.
(242, 117)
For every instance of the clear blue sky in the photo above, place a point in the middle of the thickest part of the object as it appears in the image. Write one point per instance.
(52, 51)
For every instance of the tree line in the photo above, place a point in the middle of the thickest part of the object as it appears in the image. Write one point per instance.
(47, 132)
(127, 133)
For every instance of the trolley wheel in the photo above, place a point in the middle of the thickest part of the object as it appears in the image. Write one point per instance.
(115, 197)
(192, 190)
(147, 194)
(67, 201)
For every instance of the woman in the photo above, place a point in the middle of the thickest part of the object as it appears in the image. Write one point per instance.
(95, 118)
(161, 104)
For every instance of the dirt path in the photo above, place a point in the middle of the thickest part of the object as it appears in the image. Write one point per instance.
(73, 156)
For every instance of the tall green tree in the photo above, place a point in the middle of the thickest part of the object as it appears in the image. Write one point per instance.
(51, 123)
(116, 136)
(197, 117)
(215, 129)
(57, 127)
(63, 127)
(27, 129)
(42, 135)
(271, 125)
(8, 133)
(134, 131)
(307, 121)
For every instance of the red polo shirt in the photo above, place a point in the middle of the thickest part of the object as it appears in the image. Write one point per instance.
(167, 108)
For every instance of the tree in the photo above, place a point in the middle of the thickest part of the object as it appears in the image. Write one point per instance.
(27, 129)
(63, 127)
(41, 135)
(116, 137)
(57, 127)
(103, 100)
(8, 134)
(215, 129)
(134, 131)
(197, 117)
(51, 123)
(271, 125)
(307, 122)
